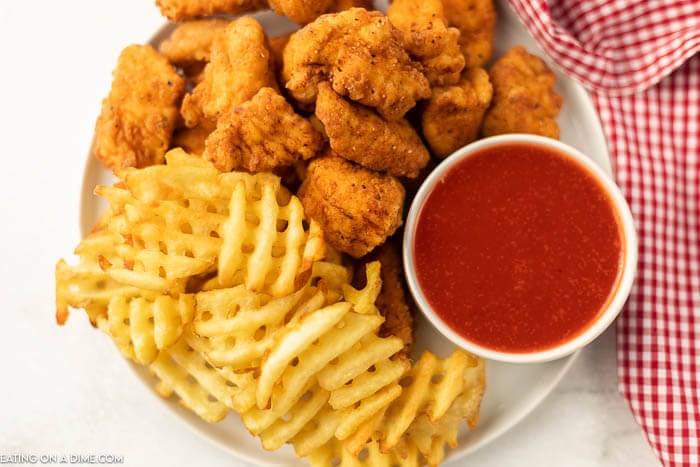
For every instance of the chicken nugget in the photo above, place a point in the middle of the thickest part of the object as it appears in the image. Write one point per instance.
(360, 53)
(181, 10)
(476, 20)
(239, 66)
(190, 42)
(357, 208)
(301, 11)
(341, 5)
(428, 39)
(358, 133)
(277, 45)
(192, 139)
(452, 117)
(262, 134)
(524, 100)
(140, 113)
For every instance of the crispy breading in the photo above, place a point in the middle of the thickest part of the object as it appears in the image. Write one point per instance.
(524, 100)
(428, 39)
(341, 5)
(261, 134)
(357, 208)
(301, 11)
(190, 42)
(182, 10)
(358, 133)
(140, 113)
(240, 65)
(192, 139)
(452, 117)
(361, 55)
(392, 301)
(476, 20)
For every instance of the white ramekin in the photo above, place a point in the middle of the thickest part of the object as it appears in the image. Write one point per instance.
(614, 306)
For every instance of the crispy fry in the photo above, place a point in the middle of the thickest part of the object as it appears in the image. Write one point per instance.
(524, 100)
(181, 10)
(376, 70)
(262, 134)
(356, 208)
(139, 115)
(240, 66)
(357, 133)
(428, 39)
(452, 117)
(476, 20)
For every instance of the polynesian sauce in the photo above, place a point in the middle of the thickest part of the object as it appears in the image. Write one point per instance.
(518, 248)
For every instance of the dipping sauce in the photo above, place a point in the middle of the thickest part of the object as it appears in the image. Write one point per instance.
(517, 248)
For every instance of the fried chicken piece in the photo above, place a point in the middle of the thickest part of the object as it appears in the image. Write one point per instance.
(239, 66)
(452, 117)
(182, 10)
(140, 113)
(192, 139)
(524, 100)
(428, 39)
(357, 208)
(261, 134)
(301, 11)
(361, 55)
(190, 42)
(392, 301)
(342, 5)
(359, 134)
(476, 20)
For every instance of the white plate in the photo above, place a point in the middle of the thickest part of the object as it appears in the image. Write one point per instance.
(513, 391)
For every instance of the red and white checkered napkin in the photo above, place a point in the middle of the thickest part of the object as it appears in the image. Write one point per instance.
(639, 59)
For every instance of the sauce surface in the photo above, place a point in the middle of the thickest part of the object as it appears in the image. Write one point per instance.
(517, 248)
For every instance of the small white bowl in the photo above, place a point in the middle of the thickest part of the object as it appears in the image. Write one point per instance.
(629, 246)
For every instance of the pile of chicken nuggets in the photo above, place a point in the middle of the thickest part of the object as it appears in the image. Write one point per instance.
(349, 109)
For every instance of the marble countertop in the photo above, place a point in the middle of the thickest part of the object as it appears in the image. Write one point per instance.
(66, 390)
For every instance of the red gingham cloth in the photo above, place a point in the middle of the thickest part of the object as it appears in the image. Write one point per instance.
(639, 60)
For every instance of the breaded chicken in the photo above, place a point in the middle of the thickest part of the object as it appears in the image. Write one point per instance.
(262, 134)
(190, 42)
(392, 302)
(192, 139)
(361, 55)
(182, 10)
(357, 208)
(341, 5)
(358, 133)
(524, 100)
(140, 113)
(476, 20)
(240, 65)
(452, 117)
(301, 11)
(428, 39)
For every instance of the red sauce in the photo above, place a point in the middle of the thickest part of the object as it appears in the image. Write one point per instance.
(517, 248)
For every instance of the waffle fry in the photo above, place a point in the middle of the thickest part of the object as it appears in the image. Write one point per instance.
(209, 392)
(334, 454)
(430, 387)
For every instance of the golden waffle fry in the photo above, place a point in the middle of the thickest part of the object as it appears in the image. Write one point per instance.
(317, 432)
(237, 325)
(333, 454)
(205, 390)
(365, 298)
(430, 387)
(141, 327)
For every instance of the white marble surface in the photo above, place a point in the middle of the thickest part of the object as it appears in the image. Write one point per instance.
(66, 390)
